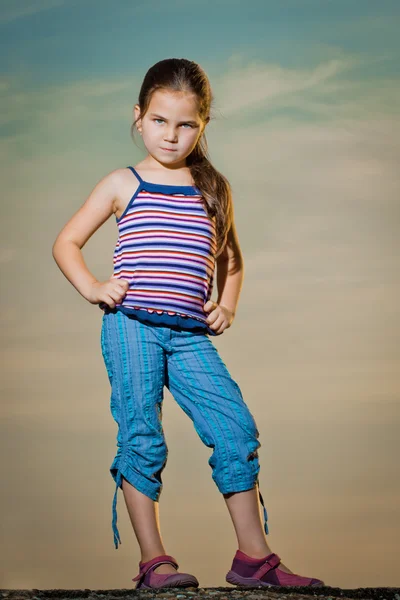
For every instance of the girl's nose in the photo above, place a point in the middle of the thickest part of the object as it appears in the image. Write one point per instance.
(171, 136)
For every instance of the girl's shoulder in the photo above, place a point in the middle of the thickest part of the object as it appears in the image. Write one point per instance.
(123, 179)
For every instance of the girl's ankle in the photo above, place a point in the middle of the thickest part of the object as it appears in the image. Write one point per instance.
(148, 557)
(255, 553)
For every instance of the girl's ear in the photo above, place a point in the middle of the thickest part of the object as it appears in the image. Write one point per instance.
(136, 115)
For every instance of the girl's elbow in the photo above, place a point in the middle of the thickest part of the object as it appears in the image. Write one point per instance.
(58, 246)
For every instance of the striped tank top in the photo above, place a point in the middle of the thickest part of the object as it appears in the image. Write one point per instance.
(165, 250)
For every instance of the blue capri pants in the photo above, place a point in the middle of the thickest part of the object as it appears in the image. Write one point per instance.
(140, 360)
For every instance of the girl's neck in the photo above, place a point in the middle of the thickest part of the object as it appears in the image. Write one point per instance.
(158, 173)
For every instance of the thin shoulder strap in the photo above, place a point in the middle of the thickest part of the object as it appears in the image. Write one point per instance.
(135, 173)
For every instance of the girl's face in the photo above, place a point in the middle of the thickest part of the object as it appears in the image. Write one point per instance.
(171, 126)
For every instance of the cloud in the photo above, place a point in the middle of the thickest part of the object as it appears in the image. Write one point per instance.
(63, 104)
(323, 93)
(244, 87)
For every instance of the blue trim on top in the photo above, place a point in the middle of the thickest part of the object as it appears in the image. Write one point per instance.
(129, 203)
(164, 188)
(135, 173)
(164, 320)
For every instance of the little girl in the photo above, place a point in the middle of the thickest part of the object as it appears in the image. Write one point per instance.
(175, 220)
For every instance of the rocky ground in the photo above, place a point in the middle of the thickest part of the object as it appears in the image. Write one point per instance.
(221, 593)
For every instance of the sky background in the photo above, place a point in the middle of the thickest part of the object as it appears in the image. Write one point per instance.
(306, 126)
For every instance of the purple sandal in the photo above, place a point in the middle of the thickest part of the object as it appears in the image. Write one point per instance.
(253, 572)
(150, 580)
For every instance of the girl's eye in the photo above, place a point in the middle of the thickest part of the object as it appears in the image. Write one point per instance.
(162, 120)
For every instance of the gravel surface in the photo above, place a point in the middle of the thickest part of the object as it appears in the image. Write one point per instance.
(220, 593)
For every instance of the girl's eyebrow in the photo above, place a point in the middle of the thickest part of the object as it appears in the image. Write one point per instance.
(164, 119)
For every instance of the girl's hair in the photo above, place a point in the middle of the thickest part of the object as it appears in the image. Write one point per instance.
(182, 75)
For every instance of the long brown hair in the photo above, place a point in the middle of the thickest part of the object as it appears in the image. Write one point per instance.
(182, 75)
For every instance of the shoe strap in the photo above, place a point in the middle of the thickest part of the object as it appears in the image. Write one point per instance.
(271, 562)
(163, 559)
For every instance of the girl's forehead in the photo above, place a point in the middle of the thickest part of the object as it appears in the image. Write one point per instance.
(173, 103)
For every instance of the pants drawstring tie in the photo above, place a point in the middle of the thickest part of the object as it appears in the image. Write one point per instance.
(117, 538)
(265, 513)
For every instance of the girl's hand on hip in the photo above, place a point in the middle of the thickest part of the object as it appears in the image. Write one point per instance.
(220, 317)
(107, 293)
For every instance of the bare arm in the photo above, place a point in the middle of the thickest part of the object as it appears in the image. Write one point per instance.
(230, 271)
(66, 250)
